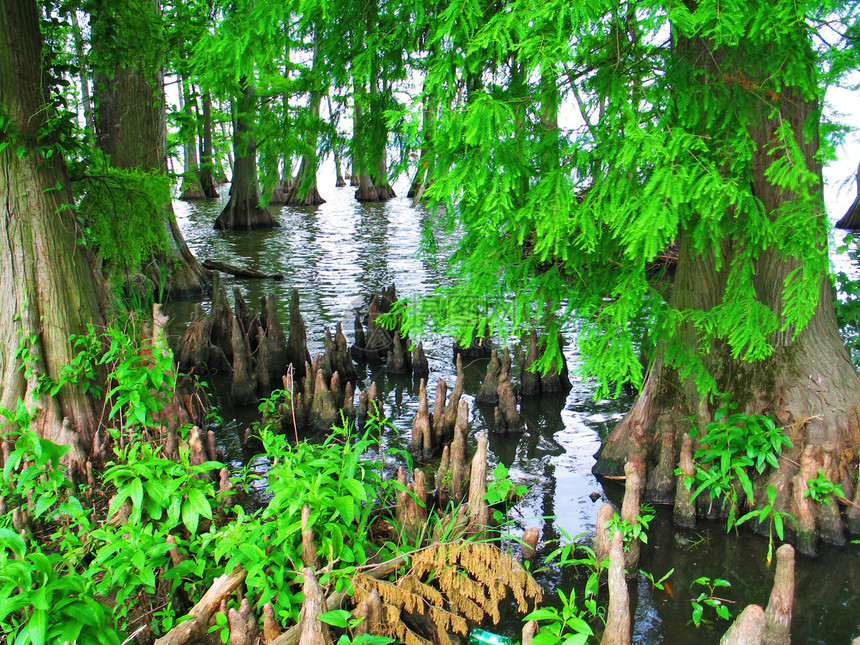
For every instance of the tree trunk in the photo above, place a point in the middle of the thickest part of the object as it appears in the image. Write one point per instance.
(132, 132)
(340, 182)
(851, 219)
(87, 104)
(243, 211)
(48, 290)
(304, 190)
(207, 165)
(191, 188)
(421, 181)
(366, 191)
(808, 383)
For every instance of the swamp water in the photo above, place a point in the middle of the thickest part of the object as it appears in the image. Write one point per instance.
(340, 253)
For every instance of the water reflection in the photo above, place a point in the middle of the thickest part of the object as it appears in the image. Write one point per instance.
(340, 253)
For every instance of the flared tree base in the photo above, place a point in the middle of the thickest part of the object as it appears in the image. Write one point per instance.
(851, 219)
(239, 215)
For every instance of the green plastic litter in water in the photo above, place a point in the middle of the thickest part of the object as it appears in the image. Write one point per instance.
(483, 637)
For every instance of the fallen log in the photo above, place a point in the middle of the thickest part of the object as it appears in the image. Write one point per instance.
(241, 272)
(195, 629)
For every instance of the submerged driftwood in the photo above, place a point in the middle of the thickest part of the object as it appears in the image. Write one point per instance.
(240, 272)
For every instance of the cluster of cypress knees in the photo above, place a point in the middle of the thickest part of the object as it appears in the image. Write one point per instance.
(252, 348)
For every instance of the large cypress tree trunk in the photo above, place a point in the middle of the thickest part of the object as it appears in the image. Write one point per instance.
(48, 290)
(132, 131)
(808, 383)
(243, 211)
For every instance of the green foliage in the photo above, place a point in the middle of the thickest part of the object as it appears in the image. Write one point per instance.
(707, 598)
(163, 488)
(121, 215)
(658, 584)
(733, 443)
(32, 472)
(579, 557)
(570, 625)
(775, 519)
(43, 601)
(140, 380)
(821, 488)
(501, 490)
(567, 626)
(632, 530)
(341, 487)
(848, 303)
(343, 619)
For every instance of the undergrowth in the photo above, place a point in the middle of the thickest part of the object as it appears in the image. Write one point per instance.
(139, 544)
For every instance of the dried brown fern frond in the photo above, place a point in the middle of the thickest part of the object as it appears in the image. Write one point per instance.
(452, 584)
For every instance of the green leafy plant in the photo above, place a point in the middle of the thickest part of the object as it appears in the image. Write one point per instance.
(635, 530)
(501, 490)
(43, 601)
(140, 380)
(161, 486)
(733, 443)
(343, 619)
(222, 626)
(707, 598)
(659, 583)
(571, 554)
(33, 472)
(769, 514)
(821, 488)
(341, 487)
(567, 626)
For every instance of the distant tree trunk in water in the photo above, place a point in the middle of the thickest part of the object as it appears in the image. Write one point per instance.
(82, 75)
(353, 173)
(551, 154)
(221, 176)
(48, 289)
(132, 132)
(851, 219)
(340, 182)
(243, 211)
(360, 170)
(808, 384)
(423, 172)
(207, 166)
(304, 190)
(191, 188)
(379, 137)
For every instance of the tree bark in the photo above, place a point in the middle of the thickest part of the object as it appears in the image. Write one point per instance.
(191, 188)
(207, 164)
(132, 132)
(243, 211)
(808, 383)
(48, 289)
